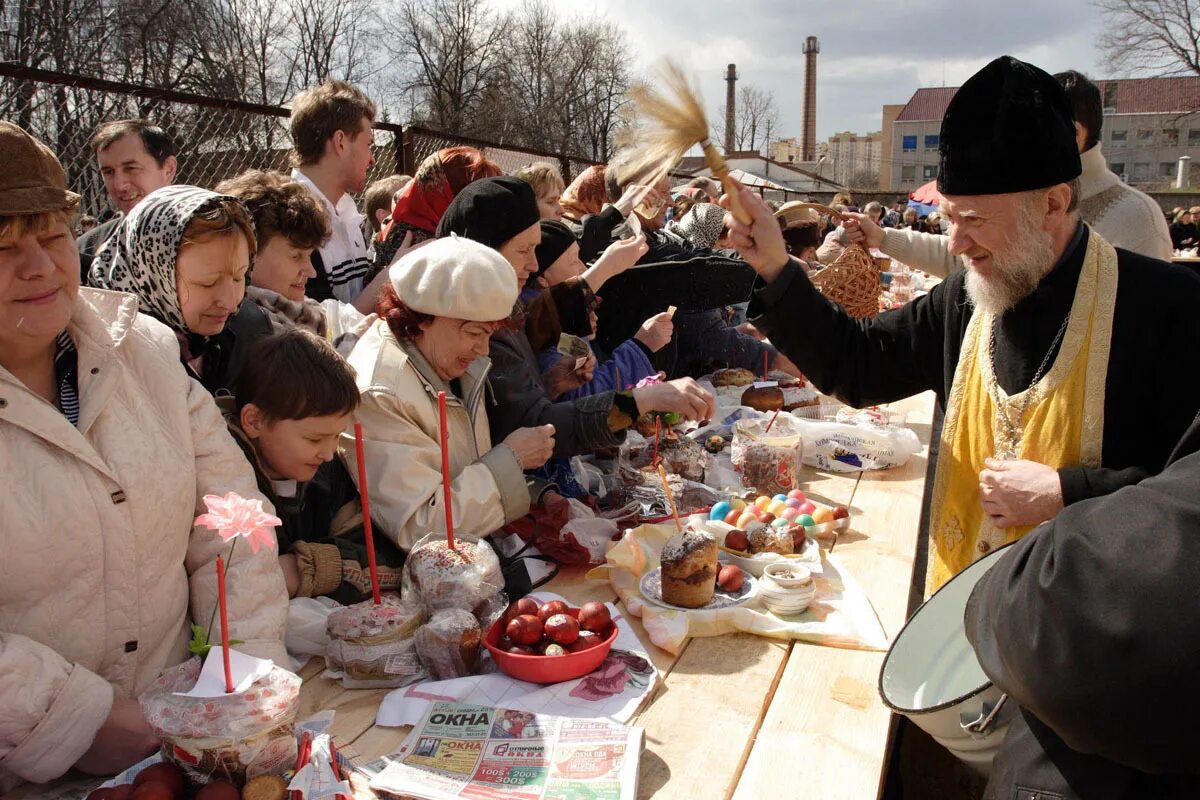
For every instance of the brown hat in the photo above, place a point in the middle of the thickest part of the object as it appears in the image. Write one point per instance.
(34, 181)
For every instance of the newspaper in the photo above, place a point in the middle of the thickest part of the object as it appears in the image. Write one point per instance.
(478, 752)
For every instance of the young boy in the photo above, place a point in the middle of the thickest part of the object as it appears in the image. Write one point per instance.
(294, 398)
(547, 183)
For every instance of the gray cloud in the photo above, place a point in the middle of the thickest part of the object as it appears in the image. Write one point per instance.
(872, 53)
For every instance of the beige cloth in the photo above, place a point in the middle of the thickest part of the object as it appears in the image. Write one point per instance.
(102, 570)
(399, 416)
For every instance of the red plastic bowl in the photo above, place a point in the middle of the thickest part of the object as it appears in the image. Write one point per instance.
(548, 669)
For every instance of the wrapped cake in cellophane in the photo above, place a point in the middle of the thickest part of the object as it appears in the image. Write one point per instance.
(234, 736)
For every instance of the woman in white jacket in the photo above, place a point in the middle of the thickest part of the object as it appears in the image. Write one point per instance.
(106, 450)
(437, 313)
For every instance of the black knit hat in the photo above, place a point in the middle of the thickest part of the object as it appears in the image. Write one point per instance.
(1010, 128)
(491, 211)
(557, 238)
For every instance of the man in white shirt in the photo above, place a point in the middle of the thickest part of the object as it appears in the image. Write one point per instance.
(331, 138)
(1125, 217)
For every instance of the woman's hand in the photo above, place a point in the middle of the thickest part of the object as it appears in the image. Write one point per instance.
(533, 446)
(682, 395)
(124, 739)
(656, 331)
(562, 377)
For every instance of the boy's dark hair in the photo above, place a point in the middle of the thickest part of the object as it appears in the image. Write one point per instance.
(319, 112)
(156, 141)
(295, 374)
(1085, 102)
(280, 207)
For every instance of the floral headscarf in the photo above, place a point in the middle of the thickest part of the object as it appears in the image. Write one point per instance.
(702, 225)
(586, 194)
(140, 256)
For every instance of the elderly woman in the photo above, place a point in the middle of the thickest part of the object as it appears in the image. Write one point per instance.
(108, 448)
(185, 253)
(502, 213)
(421, 203)
(456, 293)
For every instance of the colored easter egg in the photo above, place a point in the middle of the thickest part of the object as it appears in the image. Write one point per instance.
(720, 511)
(745, 519)
(790, 514)
(779, 523)
(762, 501)
(805, 520)
(780, 497)
(737, 503)
(733, 516)
(822, 515)
(792, 502)
(796, 494)
(776, 507)
(807, 507)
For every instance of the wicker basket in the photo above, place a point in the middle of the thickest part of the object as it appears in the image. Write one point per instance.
(852, 280)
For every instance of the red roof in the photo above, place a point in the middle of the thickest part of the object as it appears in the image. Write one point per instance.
(927, 104)
(1155, 95)
(1134, 96)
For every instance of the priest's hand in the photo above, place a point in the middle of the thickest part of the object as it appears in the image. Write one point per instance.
(859, 229)
(761, 242)
(1019, 493)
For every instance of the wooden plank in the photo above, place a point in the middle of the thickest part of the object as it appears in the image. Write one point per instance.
(700, 724)
(355, 707)
(826, 716)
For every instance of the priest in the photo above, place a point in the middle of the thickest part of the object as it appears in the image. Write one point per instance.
(1067, 371)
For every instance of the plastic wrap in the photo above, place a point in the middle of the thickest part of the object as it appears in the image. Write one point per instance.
(371, 647)
(466, 577)
(448, 645)
(848, 448)
(768, 462)
(235, 736)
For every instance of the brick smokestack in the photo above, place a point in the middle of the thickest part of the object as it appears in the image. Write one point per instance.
(730, 105)
(808, 134)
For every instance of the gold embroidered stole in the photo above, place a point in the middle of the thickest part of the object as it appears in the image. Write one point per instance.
(1059, 421)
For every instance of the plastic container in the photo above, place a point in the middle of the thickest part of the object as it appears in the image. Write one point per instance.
(768, 462)
(548, 669)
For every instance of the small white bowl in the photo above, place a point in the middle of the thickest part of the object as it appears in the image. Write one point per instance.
(789, 576)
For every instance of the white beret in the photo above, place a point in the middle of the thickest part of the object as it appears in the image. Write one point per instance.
(457, 278)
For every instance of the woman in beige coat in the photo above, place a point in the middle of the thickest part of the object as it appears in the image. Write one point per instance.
(106, 449)
(441, 305)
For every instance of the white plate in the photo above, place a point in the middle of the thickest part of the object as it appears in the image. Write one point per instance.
(651, 586)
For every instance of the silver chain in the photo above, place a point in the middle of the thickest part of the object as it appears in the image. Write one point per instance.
(1013, 432)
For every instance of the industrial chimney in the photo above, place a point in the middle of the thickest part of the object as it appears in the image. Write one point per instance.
(808, 134)
(730, 103)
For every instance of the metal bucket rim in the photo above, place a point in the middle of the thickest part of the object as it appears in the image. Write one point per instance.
(883, 667)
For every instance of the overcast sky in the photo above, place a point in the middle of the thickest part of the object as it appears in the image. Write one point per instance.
(872, 53)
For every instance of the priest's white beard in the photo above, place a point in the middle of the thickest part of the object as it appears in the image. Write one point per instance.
(1016, 269)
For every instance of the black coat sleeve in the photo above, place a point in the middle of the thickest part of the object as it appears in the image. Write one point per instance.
(519, 401)
(862, 362)
(1089, 622)
(596, 232)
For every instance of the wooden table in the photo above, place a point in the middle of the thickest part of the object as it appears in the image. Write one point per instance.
(734, 715)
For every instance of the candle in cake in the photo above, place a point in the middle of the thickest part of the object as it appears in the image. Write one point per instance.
(224, 623)
(670, 499)
(445, 436)
(366, 509)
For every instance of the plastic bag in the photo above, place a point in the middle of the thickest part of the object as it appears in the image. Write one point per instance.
(590, 532)
(466, 577)
(448, 645)
(371, 647)
(848, 448)
(305, 634)
(234, 736)
(768, 462)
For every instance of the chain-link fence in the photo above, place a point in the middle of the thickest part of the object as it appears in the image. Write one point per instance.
(216, 138)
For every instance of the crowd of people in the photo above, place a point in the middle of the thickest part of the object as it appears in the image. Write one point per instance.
(207, 340)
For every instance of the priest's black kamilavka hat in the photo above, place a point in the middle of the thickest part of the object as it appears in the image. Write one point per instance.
(1010, 128)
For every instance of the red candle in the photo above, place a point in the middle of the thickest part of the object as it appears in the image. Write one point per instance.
(772, 422)
(224, 623)
(764, 365)
(366, 508)
(446, 469)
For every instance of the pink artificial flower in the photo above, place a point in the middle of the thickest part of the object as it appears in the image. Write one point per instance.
(233, 515)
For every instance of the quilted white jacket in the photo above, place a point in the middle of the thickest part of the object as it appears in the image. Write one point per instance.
(100, 560)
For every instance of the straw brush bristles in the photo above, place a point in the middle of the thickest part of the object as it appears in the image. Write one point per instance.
(669, 121)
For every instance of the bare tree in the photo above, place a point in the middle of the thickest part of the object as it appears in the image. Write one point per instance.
(757, 117)
(333, 39)
(864, 178)
(453, 50)
(1151, 37)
